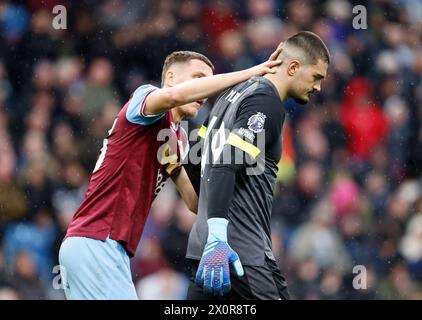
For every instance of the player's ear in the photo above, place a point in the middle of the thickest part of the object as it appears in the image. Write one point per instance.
(169, 78)
(293, 67)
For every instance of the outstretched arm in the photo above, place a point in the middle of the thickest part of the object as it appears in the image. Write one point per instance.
(164, 99)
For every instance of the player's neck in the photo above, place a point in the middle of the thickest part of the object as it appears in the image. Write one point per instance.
(279, 85)
(177, 116)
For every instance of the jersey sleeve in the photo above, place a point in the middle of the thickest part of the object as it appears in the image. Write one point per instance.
(257, 124)
(135, 110)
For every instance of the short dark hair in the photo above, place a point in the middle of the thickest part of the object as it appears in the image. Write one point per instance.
(183, 56)
(312, 46)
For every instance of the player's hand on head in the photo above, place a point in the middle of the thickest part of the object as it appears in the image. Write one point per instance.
(262, 69)
(269, 66)
(213, 274)
(275, 54)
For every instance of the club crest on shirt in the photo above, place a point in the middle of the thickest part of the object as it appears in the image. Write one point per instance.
(256, 122)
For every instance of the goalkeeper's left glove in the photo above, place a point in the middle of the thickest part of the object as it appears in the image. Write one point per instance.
(213, 273)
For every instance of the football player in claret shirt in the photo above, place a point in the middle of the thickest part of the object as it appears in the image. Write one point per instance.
(129, 173)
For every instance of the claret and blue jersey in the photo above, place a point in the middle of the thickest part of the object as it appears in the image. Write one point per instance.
(129, 173)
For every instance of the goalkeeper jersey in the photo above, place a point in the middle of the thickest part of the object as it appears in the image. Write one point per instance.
(241, 139)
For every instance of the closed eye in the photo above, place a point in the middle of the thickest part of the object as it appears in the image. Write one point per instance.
(318, 77)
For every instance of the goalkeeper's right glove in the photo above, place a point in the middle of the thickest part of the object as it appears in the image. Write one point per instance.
(213, 273)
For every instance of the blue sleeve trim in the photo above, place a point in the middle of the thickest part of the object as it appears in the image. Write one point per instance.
(134, 112)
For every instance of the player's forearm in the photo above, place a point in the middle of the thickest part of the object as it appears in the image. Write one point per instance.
(201, 88)
(165, 99)
(186, 190)
(222, 183)
(190, 197)
(194, 174)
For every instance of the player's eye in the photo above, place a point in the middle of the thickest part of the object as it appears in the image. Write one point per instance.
(198, 75)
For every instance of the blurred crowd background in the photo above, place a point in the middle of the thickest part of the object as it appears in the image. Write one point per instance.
(349, 190)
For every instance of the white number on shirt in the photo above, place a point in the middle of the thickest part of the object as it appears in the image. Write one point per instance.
(104, 149)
